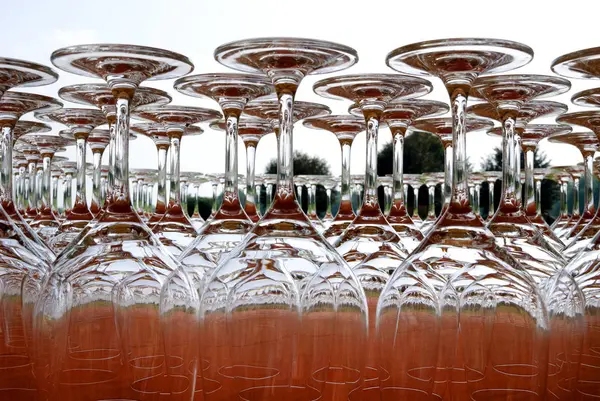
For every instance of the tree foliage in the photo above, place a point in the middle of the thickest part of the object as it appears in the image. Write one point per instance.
(304, 164)
(493, 162)
(423, 153)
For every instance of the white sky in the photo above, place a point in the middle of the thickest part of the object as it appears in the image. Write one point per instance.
(32, 30)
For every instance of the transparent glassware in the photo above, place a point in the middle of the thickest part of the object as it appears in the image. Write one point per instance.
(430, 182)
(513, 230)
(101, 96)
(115, 338)
(46, 223)
(399, 116)
(345, 128)
(311, 185)
(81, 122)
(251, 132)
(563, 177)
(20, 165)
(330, 184)
(284, 270)
(370, 231)
(442, 128)
(586, 226)
(68, 168)
(491, 177)
(32, 155)
(174, 229)
(23, 255)
(458, 276)
(98, 140)
(230, 224)
(530, 138)
(55, 175)
(13, 105)
(158, 133)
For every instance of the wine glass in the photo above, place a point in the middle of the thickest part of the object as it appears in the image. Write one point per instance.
(251, 131)
(283, 268)
(13, 105)
(97, 140)
(81, 122)
(158, 133)
(586, 226)
(371, 93)
(399, 116)
(442, 128)
(230, 224)
(101, 96)
(458, 276)
(174, 229)
(68, 168)
(115, 339)
(530, 138)
(345, 128)
(45, 222)
(311, 183)
(20, 165)
(513, 230)
(563, 177)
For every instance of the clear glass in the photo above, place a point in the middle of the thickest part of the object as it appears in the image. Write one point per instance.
(81, 123)
(530, 138)
(585, 227)
(370, 231)
(266, 294)
(513, 230)
(458, 276)
(564, 223)
(345, 128)
(23, 256)
(98, 140)
(174, 229)
(115, 338)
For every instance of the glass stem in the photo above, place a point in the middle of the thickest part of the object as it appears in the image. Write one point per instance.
(97, 173)
(250, 163)
(448, 172)
(588, 198)
(47, 166)
(285, 152)
(538, 197)
(517, 164)
(345, 195)
(80, 194)
(431, 200)
(491, 185)
(111, 155)
(68, 191)
(231, 160)
(120, 191)
(174, 187)
(312, 200)
(6, 163)
(530, 202)
(215, 205)
(563, 198)
(460, 189)
(21, 187)
(576, 189)
(328, 192)
(161, 193)
(509, 194)
(476, 199)
(55, 194)
(370, 196)
(416, 207)
(398, 166)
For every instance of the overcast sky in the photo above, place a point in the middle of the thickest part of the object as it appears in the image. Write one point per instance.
(33, 29)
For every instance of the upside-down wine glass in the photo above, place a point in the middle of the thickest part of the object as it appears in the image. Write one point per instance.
(97, 140)
(174, 229)
(458, 276)
(586, 226)
(370, 231)
(251, 131)
(345, 128)
(46, 223)
(513, 230)
(81, 122)
(565, 176)
(101, 96)
(531, 135)
(255, 346)
(399, 116)
(230, 224)
(115, 338)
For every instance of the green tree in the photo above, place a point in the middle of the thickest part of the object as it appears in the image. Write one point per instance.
(304, 164)
(493, 162)
(423, 153)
